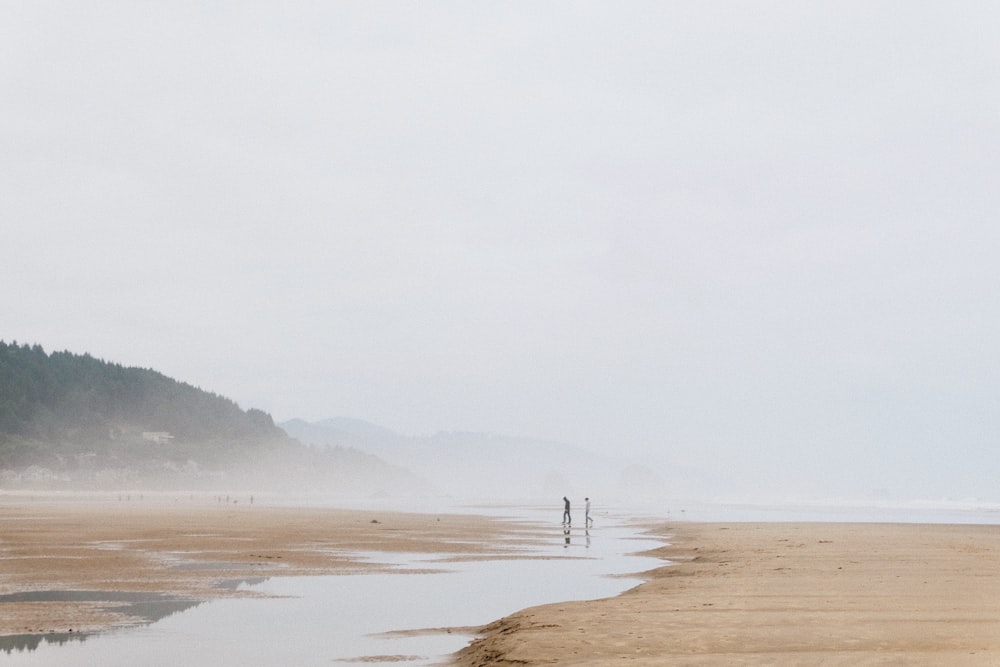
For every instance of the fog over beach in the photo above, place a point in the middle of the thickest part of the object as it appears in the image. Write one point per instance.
(753, 241)
(329, 278)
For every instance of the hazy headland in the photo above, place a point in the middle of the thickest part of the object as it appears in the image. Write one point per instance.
(71, 421)
(750, 592)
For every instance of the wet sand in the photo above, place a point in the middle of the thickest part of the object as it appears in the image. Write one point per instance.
(780, 594)
(739, 593)
(184, 547)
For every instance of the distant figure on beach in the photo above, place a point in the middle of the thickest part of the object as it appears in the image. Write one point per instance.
(587, 521)
(567, 519)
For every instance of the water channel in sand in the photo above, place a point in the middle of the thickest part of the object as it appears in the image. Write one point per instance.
(400, 618)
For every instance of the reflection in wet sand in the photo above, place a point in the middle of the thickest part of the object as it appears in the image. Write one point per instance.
(139, 608)
(396, 607)
(18, 643)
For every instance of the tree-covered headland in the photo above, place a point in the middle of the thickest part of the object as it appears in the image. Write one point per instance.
(73, 420)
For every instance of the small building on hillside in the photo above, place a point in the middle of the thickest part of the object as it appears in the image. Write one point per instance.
(157, 437)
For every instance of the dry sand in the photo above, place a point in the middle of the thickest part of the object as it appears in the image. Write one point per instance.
(184, 546)
(781, 594)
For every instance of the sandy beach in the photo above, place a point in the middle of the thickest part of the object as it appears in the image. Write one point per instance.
(184, 546)
(736, 593)
(780, 594)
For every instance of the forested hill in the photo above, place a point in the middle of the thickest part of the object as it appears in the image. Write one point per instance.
(63, 396)
(71, 421)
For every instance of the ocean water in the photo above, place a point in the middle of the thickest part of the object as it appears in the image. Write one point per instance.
(947, 511)
(400, 618)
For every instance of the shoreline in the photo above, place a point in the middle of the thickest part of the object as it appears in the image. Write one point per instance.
(729, 593)
(66, 565)
(778, 594)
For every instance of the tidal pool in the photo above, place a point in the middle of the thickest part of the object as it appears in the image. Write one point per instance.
(399, 618)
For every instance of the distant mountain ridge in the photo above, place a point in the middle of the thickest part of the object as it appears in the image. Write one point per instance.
(338, 431)
(481, 465)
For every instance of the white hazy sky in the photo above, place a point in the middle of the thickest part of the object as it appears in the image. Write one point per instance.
(759, 238)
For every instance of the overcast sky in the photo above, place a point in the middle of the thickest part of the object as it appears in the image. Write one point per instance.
(755, 237)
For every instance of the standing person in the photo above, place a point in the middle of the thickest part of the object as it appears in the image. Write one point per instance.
(567, 519)
(587, 521)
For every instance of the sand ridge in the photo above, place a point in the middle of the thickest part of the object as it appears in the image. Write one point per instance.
(780, 594)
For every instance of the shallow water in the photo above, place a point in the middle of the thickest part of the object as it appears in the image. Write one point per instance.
(358, 619)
